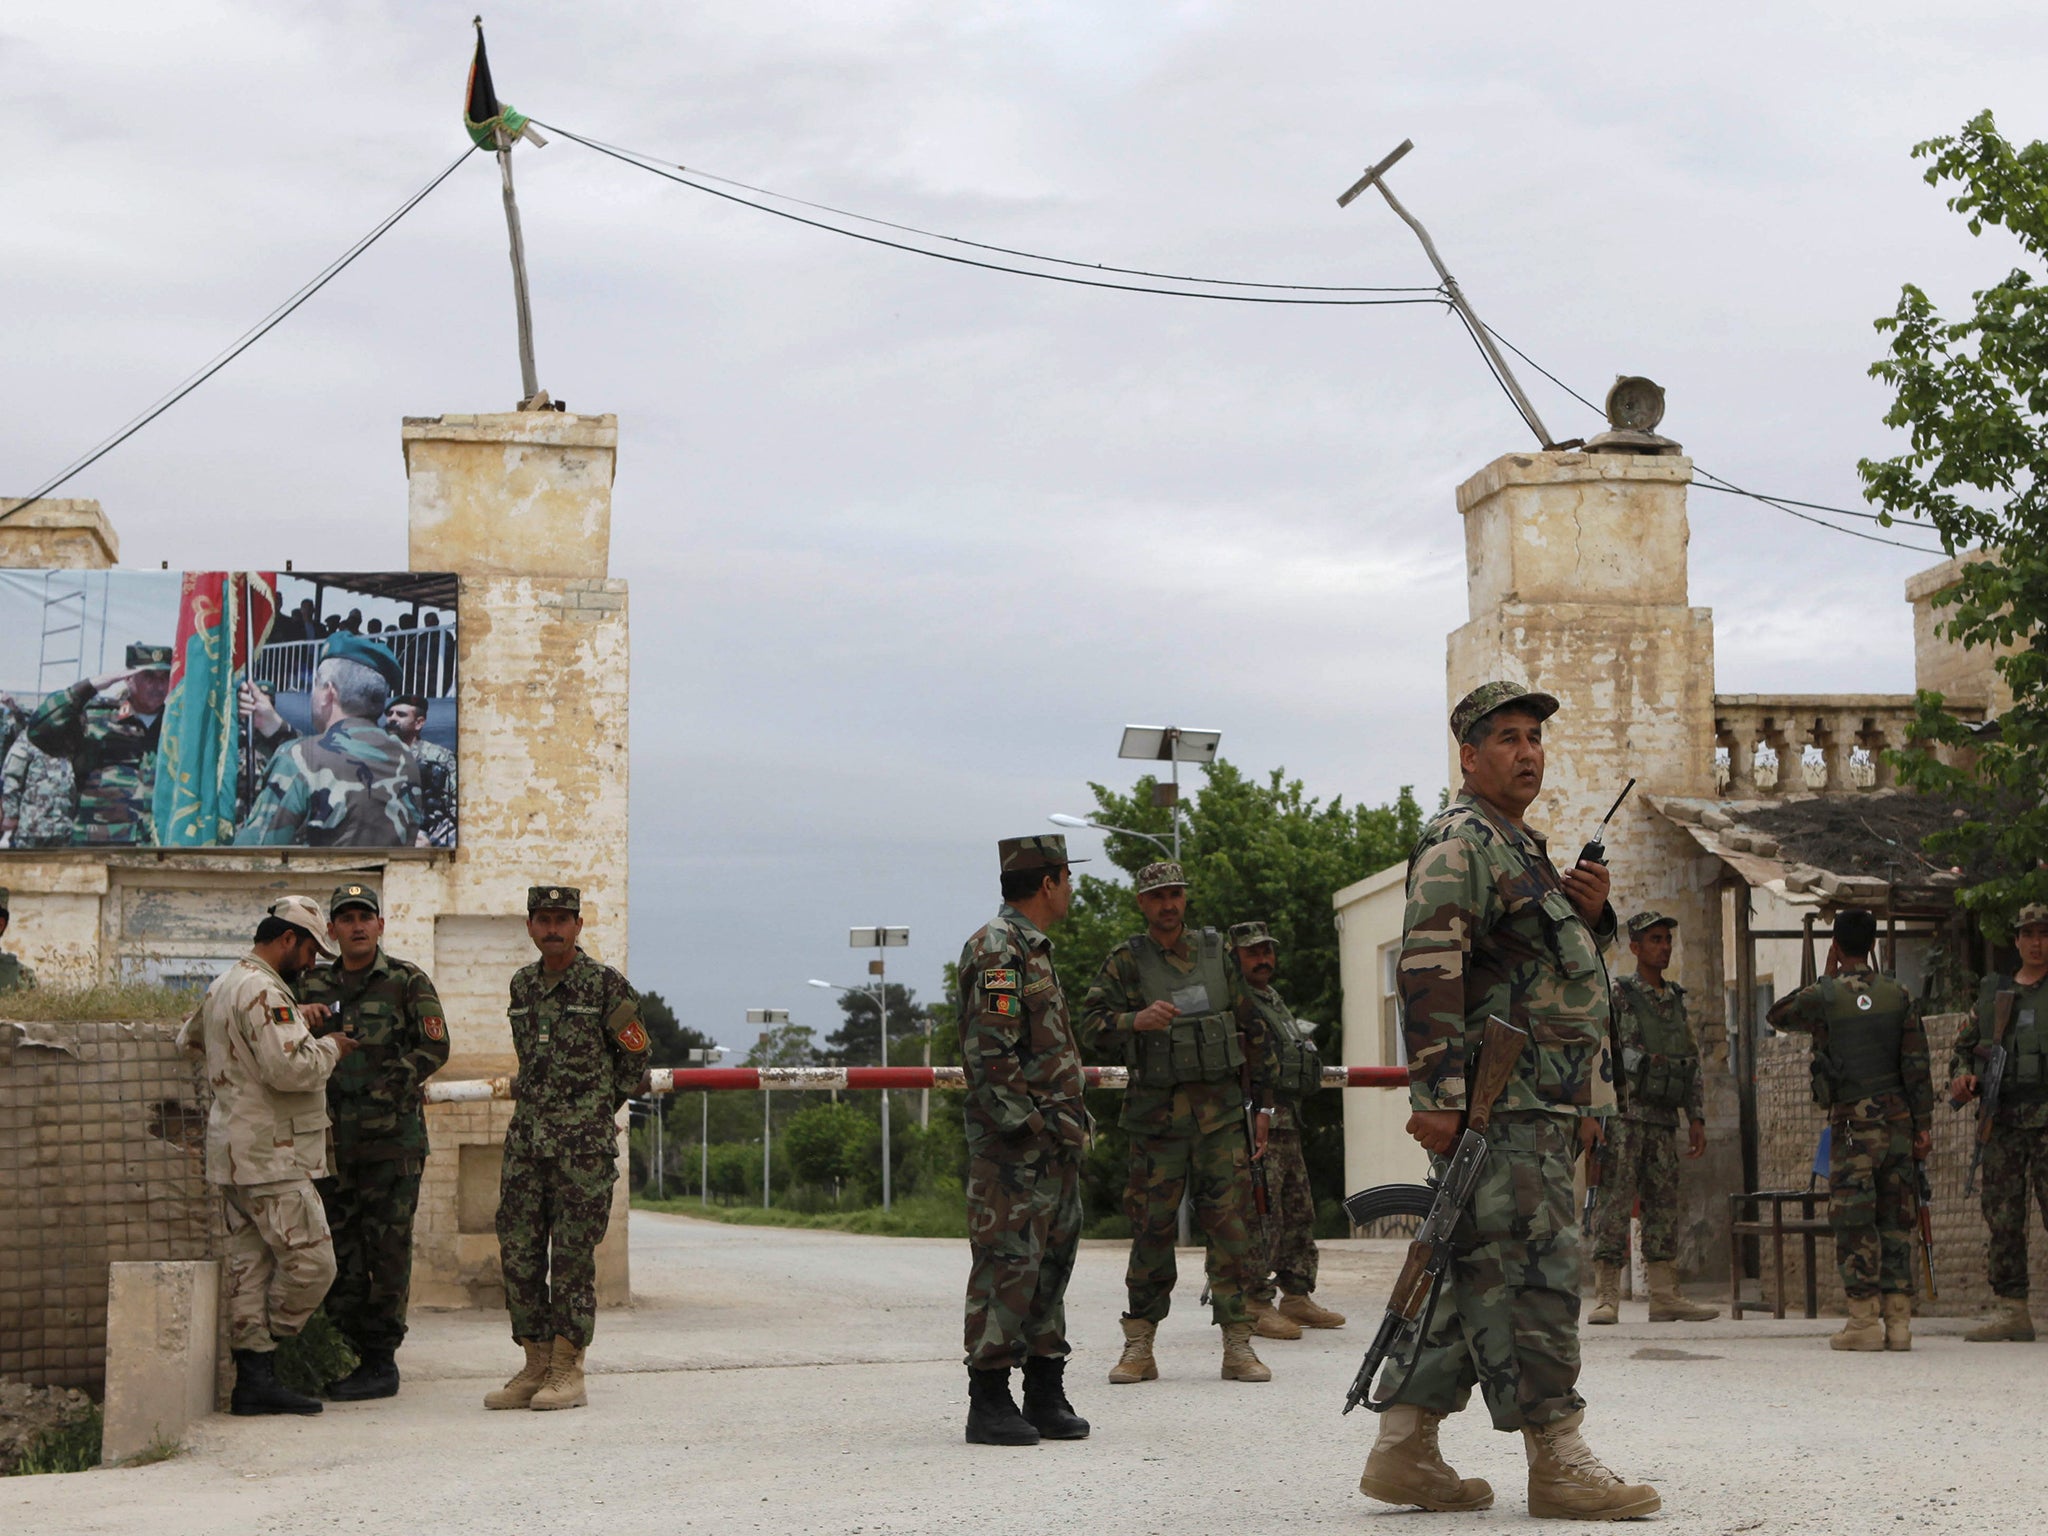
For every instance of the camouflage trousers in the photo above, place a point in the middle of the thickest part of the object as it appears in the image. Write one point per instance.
(1023, 1230)
(1215, 1171)
(1290, 1256)
(279, 1260)
(370, 1204)
(1508, 1317)
(1642, 1164)
(1871, 1188)
(552, 1214)
(2014, 1158)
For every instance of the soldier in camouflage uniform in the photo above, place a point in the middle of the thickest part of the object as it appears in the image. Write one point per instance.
(354, 784)
(1026, 1128)
(2016, 1153)
(1492, 928)
(406, 719)
(582, 1053)
(389, 1008)
(38, 796)
(113, 757)
(1870, 1072)
(1659, 1076)
(14, 976)
(1288, 1267)
(1169, 1005)
(13, 721)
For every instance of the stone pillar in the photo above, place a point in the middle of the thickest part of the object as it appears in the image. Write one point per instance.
(519, 506)
(63, 535)
(162, 1330)
(1966, 679)
(1576, 580)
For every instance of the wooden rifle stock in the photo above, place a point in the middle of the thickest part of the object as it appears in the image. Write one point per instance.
(1500, 1052)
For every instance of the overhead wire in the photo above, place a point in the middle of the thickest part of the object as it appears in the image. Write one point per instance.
(661, 168)
(245, 341)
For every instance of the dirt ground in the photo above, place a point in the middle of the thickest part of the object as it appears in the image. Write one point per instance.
(787, 1381)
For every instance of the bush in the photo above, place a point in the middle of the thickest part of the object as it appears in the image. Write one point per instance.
(835, 1146)
(73, 1446)
(117, 1002)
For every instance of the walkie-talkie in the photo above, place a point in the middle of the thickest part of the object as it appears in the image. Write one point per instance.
(1595, 852)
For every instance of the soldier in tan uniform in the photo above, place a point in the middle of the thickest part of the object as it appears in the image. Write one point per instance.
(266, 1141)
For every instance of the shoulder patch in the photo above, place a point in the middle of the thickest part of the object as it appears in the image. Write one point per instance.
(1004, 1006)
(280, 1015)
(434, 1027)
(999, 980)
(633, 1036)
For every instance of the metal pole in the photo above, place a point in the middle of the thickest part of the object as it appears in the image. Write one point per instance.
(924, 1095)
(1376, 177)
(528, 379)
(766, 1137)
(704, 1152)
(660, 1166)
(882, 1025)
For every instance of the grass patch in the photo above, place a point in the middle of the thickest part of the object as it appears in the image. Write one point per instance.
(158, 1449)
(72, 1447)
(915, 1216)
(103, 1002)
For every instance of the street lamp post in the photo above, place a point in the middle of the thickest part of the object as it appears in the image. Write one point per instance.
(704, 1056)
(1173, 745)
(765, 1016)
(1082, 823)
(877, 939)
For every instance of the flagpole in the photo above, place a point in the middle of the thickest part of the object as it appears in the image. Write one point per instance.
(529, 380)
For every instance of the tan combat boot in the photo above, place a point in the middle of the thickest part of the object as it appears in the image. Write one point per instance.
(2009, 1322)
(518, 1392)
(1863, 1331)
(1606, 1294)
(564, 1386)
(1898, 1320)
(1136, 1363)
(1668, 1303)
(1310, 1313)
(1269, 1324)
(1406, 1467)
(1239, 1363)
(1567, 1481)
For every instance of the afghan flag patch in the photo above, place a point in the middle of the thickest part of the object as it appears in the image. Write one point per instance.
(280, 1015)
(633, 1036)
(434, 1028)
(1005, 1006)
(998, 981)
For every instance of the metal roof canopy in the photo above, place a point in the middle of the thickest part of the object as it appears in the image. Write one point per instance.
(436, 589)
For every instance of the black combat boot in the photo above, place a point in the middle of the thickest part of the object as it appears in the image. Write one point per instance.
(992, 1416)
(1045, 1399)
(257, 1389)
(375, 1375)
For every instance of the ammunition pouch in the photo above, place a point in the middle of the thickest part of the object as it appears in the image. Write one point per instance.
(1657, 1080)
(1203, 1048)
(1297, 1064)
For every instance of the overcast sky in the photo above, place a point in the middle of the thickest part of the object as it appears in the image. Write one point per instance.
(909, 542)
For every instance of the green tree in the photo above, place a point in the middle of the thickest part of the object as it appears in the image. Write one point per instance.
(833, 1145)
(1261, 850)
(1971, 394)
(669, 1042)
(852, 1044)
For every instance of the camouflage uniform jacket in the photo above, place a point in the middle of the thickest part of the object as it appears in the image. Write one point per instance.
(1017, 1042)
(268, 1123)
(1113, 1002)
(391, 1010)
(39, 793)
(437, 792)
(12, 723)
(1488, 929)
(114, 759)
(2023, 1109)
(1633, 1000)
(1806, 1012)
(582, 1052)
(1277, 1015)
(14, 976)
(355, 785)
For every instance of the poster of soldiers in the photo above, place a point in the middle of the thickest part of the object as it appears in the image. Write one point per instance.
(227, 709)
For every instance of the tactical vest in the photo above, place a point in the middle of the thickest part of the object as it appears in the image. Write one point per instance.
(1201, 1046)
(1661, 1072)
(2026, 1043)
(1296, 1064)
(1865, 1031)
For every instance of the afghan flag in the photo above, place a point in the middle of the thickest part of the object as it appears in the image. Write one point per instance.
(482, 113)
(224, 618)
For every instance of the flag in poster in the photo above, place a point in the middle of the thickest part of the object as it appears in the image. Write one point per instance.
(202, 770)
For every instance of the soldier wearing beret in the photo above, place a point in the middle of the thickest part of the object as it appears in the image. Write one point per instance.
(1169, 1004)
(350, 785)
(389, 1008)
(582, 1053)
(1288, 1266)
(113, 755)
(2011, 1011)
(1026, 1128)
(1491, 927)
(14, 976)
(407, 720)
(1659, 1076)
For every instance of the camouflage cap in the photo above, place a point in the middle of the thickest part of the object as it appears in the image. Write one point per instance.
(364, 652)
(1488, 697)
(2033, 914)
(354, 895)
(1644, 921)
(303, 913)
(1245, 935)
(153, 658)
(553, 898)
(1042, 850)
(1157, 877)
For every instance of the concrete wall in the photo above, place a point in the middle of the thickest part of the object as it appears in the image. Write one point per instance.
(1377, 1150)
(60, 534)
(1964, 677)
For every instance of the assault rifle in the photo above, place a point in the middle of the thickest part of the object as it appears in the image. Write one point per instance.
(1923, 1197)
(1990, 1079)
(1429, 1256)
(1596, 1176)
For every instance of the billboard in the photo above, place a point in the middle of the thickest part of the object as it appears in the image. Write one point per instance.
(214, 709)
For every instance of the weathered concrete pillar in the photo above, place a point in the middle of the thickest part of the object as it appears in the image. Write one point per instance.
(63, 535)
(162, 1336)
